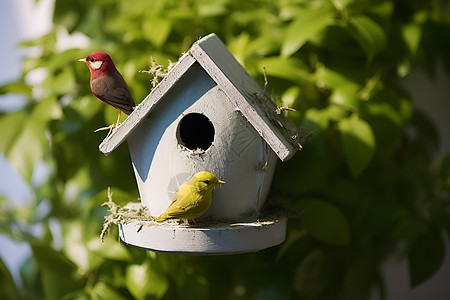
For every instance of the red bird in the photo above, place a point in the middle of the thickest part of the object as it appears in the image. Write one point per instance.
(107, 84)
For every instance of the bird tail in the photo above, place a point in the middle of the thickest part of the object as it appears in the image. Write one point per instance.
(161, 218)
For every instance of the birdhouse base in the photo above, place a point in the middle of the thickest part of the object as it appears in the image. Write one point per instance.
(214, 239)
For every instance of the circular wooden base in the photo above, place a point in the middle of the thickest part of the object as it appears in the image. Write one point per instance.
(217, 239)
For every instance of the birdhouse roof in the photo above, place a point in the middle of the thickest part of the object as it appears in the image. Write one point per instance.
(213, 56)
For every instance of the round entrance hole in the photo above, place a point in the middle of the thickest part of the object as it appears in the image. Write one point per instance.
(195, 131)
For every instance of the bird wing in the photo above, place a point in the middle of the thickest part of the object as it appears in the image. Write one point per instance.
(188, 204)
(113, 90)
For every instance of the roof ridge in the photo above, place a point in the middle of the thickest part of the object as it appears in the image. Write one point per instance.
(241, 88)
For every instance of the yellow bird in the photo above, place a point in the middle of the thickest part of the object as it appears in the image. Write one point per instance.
(192, 199)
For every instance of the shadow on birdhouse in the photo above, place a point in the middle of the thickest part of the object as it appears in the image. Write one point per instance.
(207, 114)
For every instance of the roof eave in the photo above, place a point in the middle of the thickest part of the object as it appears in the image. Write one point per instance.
(240, 87)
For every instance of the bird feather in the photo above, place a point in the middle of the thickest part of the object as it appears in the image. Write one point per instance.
(113, 90)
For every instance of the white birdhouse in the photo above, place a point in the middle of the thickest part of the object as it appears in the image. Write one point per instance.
(207, 114)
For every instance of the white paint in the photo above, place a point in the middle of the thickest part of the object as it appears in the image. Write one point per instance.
(207, 80)
(247, 142)
(161, 165)
(96, 64)
(237, 84)
(245, 93)
(208, 240)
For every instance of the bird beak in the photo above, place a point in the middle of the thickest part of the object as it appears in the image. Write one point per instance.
(220, 182)
(82, 60)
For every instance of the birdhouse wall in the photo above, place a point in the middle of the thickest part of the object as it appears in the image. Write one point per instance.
(237, 154)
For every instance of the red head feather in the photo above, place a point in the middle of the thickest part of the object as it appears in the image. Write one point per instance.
(100, 63)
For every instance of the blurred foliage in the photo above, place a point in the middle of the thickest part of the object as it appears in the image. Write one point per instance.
(365, 182)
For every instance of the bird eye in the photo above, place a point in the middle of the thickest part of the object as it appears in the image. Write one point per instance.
(206, 181)
(92, 59)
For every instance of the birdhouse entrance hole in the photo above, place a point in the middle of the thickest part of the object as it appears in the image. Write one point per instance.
(170, 136)
(195, 131)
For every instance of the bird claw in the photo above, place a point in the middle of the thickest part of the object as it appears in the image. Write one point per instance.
(111, 128)
(192, 222)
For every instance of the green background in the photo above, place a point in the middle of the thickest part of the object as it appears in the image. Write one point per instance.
(366, 184)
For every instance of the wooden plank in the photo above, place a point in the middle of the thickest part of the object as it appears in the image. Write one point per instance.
(220, 64)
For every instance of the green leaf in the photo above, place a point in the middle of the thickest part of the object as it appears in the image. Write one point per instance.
(440, 216)
(59, 274)
(359, 278)
(346, 96)
(412, 34)
(8, 289)
(119, 197)
(382, 9)
(316, 119)
(80, 110)
(156, 30)
(68, 14)
(358, 142)
(444, 171)
(342, 4)
(308, 22)
(325, 222)
(30, 146)
(290, 95)
(62, 83)
(76, 234)
(255, 31)
(110, 248)
(11, 125)
(212, 8)
(335, 112)
(111, 114)
(369, 35)
(16, 88)
(427, 133)
(27, 149)
(343, 191)
(194, 287)
(286, 68)
(309, 275)
(102, 291)
(25, 141)
(142, 280)
(425, 257)
(293, 236)
(344, 89)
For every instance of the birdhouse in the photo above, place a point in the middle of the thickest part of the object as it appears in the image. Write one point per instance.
(207, 114)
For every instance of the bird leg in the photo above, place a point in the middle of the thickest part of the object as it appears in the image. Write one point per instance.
(192, 222)
(118, 119)
(110, 127)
